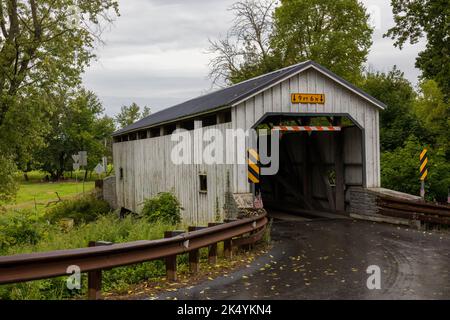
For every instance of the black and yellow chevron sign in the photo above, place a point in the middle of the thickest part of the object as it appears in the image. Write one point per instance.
(254, 171)
(423, 165)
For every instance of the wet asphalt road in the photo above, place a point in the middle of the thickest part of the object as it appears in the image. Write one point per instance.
(328, 259)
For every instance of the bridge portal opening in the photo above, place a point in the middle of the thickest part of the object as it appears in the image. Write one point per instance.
(321, 157)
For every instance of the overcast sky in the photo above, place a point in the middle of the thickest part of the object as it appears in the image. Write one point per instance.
(155, 53)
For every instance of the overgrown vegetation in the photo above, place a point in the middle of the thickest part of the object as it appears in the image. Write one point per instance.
(81, 209)
(165, 207)
(19, 228)
(105, 228)
(25, 232)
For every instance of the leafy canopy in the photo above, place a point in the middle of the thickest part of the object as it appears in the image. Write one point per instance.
(130, 114)
(78, 124)
(265, 37)
(45, 46)
(397, 121)
(416, 19)
(335, 34)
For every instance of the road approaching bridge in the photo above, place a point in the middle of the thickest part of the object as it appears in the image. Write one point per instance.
(328, 259)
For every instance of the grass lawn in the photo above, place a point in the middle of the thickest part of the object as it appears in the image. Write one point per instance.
(37, 194)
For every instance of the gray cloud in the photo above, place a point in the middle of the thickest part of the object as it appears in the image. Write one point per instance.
(155, 53)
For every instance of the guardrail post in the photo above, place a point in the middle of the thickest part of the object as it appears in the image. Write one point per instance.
(171, 262)
(95, 277)
(228, 248)
(228, 244)
(194, 256)
(212, 249)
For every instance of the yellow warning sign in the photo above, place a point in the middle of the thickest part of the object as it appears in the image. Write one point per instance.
(307, 98)
(253, 167)
(423, 165)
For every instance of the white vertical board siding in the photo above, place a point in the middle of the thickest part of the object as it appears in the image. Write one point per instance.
(339, 100)
(149, 170)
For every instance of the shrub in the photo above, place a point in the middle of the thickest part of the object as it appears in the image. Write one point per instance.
(20, 227)
(165, 207)
(81, 210)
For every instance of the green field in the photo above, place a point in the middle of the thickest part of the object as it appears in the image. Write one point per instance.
(36, 194)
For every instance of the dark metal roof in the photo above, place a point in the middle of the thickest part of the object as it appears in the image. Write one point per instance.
(229, 96)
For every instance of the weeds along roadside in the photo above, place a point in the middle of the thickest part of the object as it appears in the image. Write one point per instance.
(91, 220)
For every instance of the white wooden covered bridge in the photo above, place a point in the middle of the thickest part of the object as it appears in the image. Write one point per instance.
(329, 143)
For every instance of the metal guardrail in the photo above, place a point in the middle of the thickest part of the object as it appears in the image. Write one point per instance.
(414, 210)
(103, 256)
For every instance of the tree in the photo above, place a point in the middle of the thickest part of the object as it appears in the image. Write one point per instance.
(130, 114)
(399, 170)
(263, 38)
(245, 50)
(78, 124)
(335, 34)
(415, 19)
(44, 47)
(432, 110)
(397, 121)
(46, 42)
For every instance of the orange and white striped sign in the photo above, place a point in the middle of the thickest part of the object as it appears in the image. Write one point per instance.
(306, 128)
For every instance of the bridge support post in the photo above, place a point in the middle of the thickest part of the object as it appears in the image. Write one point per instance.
(171, 262)
(339, 168)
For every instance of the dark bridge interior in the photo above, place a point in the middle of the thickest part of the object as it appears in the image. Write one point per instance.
(316, 168)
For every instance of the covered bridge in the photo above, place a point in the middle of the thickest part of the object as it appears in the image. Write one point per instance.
(329, 143)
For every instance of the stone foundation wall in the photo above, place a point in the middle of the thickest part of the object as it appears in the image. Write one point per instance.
(364, 205)
(363, 202)
(240, 205)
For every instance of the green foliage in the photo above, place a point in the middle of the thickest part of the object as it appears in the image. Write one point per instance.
(76, 124)
(400, 170)
(410, 123)
(8, 183)
(397, 121)
(106, 228)
(165, 207)
(130, 114)
(20, 228)
(42, 52)
(82, 209)
(432, 110)
(335, 34)
(415, 19)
